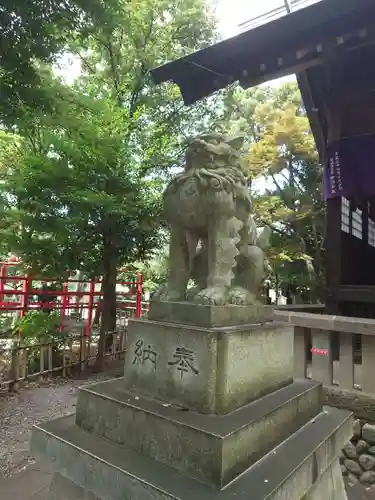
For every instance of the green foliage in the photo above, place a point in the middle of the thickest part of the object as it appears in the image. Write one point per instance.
(6, 324)
(154, 271)
(35, 31)
(77, 193)
(37, 327)
(86, 179)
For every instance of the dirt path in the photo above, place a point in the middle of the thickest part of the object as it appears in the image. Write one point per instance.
(35, 404)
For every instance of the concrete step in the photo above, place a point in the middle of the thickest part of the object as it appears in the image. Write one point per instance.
(112, 472)
(26, 486)
(63, 488)
(211, 448)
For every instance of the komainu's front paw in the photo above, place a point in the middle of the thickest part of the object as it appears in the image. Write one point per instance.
(166, 294)
(214, 296)
(241, 297)
(192, 293)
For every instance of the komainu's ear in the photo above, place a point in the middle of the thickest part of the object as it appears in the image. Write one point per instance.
(212, 136)
(236, 142)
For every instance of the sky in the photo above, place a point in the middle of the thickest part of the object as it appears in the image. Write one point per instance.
(231, 13)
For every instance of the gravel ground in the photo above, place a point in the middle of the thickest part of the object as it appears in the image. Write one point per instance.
(35, 404)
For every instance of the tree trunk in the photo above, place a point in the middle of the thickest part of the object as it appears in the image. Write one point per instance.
(108, 309)
(79, 299)
(98, 313)
(277, 290)
(98, 310)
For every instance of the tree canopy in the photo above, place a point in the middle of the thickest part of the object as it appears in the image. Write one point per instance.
(36, 31)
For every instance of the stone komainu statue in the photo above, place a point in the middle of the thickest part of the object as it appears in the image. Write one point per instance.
(214, 239)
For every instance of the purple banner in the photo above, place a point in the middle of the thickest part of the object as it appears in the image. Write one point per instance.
(350, 168)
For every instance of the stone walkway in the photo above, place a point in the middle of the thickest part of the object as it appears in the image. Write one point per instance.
(358, 492)
(30, 484)
(33, 484)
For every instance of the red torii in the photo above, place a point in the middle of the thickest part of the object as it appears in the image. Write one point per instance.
(136, 289)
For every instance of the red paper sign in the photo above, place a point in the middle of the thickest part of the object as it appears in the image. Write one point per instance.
(319, 352)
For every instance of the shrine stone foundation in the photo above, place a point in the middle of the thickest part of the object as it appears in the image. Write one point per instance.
(203, 411)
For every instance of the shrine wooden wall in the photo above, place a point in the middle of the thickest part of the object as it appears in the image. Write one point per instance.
(350, 257)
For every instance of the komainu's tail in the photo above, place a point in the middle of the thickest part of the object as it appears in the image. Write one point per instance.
(264, 236)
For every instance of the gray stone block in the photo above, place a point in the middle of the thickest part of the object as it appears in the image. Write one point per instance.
(367, 462)
(360, 403)
(330, 486)
(63, 488)
(211, 370)
(368, 478)
(353, 466)
(211, 449)
(368, 433)
(208, 316)
(114, 472)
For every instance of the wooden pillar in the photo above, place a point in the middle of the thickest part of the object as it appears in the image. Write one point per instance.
(346, 363)
(300, 351)
(368, 365)
(333, 242)
(364, 278)
(322, 362)
(333, 239)
(370, 246)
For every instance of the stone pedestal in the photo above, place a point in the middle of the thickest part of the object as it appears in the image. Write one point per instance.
(209, 370)
(208, 412)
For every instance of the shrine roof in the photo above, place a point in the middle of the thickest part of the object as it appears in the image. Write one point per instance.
(304, 42)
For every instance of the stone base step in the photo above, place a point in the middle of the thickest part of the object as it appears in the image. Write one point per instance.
(209, 316)
(328, 487)
(109, 471)
(211, 448)
(63, 488)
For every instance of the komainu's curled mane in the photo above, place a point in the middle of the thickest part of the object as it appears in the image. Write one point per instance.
(214, 239)
(216, 164)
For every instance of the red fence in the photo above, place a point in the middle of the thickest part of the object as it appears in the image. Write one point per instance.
(24, 296)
